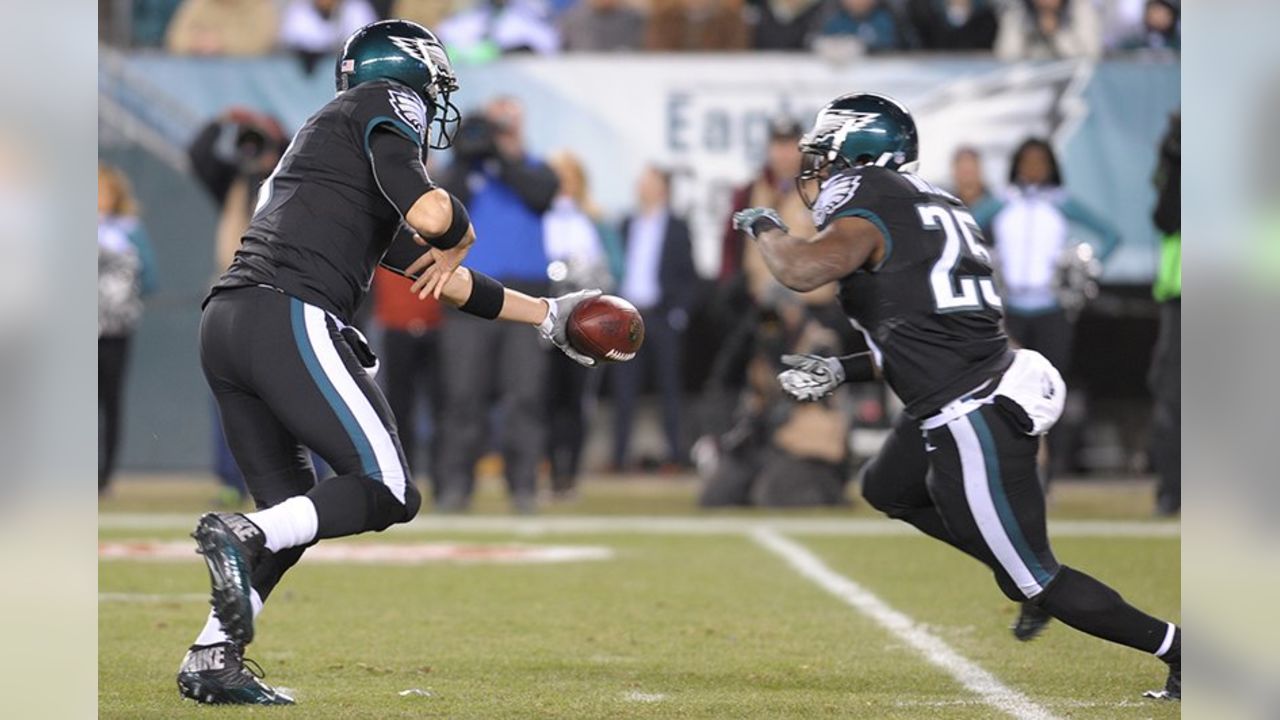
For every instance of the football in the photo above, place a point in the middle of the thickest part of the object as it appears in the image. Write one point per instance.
(606, 328)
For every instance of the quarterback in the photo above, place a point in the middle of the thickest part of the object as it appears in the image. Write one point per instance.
(288, 371)
(915, 277)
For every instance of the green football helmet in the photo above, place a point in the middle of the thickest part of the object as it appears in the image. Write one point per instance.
(409, 54)
(857, 129)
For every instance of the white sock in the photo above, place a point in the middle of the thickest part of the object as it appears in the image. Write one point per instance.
(289, 524)
(212, 634)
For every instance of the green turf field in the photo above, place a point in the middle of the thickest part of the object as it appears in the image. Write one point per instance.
(685, 617)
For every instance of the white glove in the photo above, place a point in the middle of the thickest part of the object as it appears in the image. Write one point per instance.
(811, 377)
(553, 326)
(745, 220)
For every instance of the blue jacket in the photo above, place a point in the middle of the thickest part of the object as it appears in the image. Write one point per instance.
(508, 223)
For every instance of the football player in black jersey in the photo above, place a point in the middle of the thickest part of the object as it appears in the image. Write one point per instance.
(285, 366)
(915, 277)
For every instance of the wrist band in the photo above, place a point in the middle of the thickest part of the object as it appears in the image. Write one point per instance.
(487, 297)
(858, 367)
(457, 228)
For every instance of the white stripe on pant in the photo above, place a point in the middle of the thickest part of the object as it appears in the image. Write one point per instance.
(384, 447)
(977, 492)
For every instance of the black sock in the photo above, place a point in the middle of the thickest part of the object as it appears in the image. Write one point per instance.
(1091, 607)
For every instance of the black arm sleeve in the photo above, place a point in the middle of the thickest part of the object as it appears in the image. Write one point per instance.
(535, 183)
(402, 252)
(397, 166)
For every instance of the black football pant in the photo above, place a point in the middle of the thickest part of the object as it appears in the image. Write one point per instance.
(972, 484)
(286, 379)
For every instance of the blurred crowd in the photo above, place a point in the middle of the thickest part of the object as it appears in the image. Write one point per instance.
(463, 389)
(477, 30)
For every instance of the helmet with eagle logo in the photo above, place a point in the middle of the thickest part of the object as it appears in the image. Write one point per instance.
(409, 54)
(857, 129)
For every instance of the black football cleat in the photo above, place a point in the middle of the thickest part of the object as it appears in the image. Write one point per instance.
(1172, 685)
(230, 544)
(1031, 621)
(218, 675)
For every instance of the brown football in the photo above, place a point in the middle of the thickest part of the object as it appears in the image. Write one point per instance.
(606, 328)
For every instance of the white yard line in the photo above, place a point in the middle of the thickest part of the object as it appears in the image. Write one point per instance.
(977, 680)
(664, 525)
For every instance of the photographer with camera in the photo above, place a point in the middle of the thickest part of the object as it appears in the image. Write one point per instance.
(506, 190)
(231, 156)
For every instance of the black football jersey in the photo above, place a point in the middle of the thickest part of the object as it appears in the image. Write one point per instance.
(321, 224)
(929, 308)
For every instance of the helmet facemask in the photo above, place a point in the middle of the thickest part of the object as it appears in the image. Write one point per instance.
(445, 116)
(816, 166)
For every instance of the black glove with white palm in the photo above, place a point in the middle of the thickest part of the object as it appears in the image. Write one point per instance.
(811, 377)
(553, 328)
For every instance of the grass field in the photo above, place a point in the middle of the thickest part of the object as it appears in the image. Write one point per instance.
(674, 617)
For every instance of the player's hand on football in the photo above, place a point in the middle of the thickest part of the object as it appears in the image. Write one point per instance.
(811, 377)
(436, 267)
(555, 327)
(745, 220)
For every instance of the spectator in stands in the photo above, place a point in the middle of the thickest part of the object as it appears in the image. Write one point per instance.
(230, 157)
(149, 20)
(506, 190)
(223, 27)
(410, 365)
(953, 24)
(584, 253)
(1166, 366)
(1031, 226)
(428, 13)
(1160, 28)
(696, 25)
(497, 27)
(315, 29)
(126, 274)
(870, 22)
(969, 185)
(778, 452)
(660, 280)
(1120, 19)
(774, 186)
(783, 24)
(1045, 29)
(602, 25)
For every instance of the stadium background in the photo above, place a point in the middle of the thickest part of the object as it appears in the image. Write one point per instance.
(704, 116)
